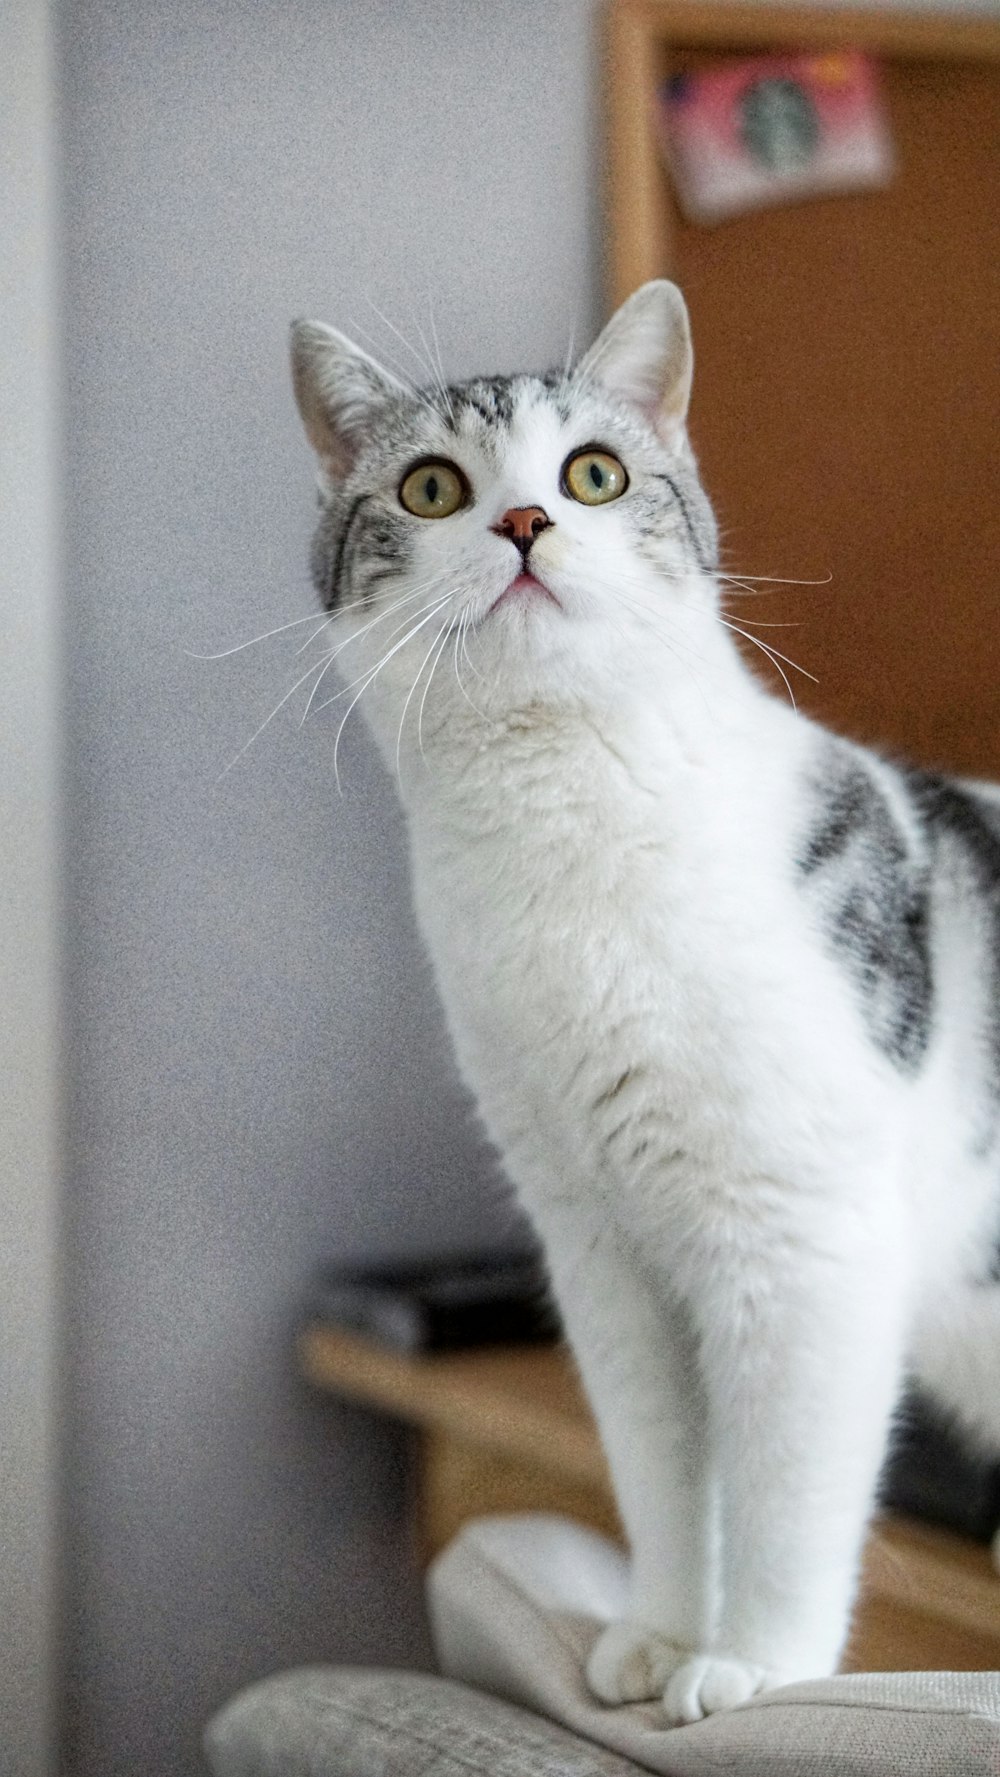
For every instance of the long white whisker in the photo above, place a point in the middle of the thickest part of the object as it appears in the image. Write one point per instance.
(423, 611)
(394, 361)
(266, 637)
(316, 632)
(427, 368)
(780, 580)
(413, 687)
(423, 700)
(368, 680)
(390, 611)
(459, 637)
(463, 635)
(767, 648)
(268, 719)
(314, 688)
(641, 585)
(440, 361)
(437, 371)
(776, 664)
(569, 349)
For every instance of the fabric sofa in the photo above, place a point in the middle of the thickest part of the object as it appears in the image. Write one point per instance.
(514, 1604)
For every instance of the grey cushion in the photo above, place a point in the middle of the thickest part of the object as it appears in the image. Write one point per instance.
(516, 1602)
(328, 1721)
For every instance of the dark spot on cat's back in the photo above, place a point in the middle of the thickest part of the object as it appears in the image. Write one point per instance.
(870, 887)
(965, 825)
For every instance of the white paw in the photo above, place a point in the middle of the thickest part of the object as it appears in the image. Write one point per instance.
(715, 1681)
(630, 1663)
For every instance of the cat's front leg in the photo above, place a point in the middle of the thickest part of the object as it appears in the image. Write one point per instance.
(635, 1352)
(801, 1351)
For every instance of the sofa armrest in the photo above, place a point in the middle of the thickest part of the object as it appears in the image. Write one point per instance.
(328, 1721)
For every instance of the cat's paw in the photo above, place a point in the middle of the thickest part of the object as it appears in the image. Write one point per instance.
(715, 1681)
(630, 1663)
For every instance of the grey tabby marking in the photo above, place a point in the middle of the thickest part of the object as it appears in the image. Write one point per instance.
(965, 823)
(872, 893)
(332, 596)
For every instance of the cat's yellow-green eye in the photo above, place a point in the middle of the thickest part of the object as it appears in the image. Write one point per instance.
(433, 489)
(594, 477)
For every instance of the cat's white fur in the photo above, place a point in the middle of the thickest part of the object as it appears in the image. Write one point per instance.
(753, 1220)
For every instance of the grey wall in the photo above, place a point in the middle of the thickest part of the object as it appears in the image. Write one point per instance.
(30, 699)
(260, 1077)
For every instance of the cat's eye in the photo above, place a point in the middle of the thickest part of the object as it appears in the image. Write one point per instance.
(433, 489)
(594, 477)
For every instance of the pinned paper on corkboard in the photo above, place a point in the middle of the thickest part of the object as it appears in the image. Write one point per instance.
(772, 130)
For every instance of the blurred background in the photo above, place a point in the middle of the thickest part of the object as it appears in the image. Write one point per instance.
(225, 1058)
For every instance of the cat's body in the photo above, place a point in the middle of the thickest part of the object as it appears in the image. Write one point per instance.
(725, 986)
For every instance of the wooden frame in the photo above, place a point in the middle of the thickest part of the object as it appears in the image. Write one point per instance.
(639, 37)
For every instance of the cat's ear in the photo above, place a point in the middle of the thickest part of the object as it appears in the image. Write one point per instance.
(337, 387)
(644, 357)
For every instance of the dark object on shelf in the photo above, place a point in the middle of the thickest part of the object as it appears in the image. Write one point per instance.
(441, 1306)
(933, 1472)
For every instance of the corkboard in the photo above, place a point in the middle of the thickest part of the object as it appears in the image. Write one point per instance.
(848, 375)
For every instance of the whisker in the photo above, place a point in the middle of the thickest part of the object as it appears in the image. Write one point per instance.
(316, 632)
(368, 680)
(422, 611)
(423, 700)
(391, 357)
(466, 656)
(437, 372)
(427, 368)
(460, 638)
(266, 637)
(396, 605)
(440, 361)
(767, 648)
(781, 580)
(413, 687)
(268, 719)
(569, 349)
(776, 664)
(773, 654)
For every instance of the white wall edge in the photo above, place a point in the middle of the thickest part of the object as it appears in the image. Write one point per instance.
(29, 887)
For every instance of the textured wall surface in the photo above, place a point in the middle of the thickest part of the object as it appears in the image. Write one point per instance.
(30, 702)
(260, 1074)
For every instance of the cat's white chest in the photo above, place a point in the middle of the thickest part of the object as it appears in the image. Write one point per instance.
(603, 940)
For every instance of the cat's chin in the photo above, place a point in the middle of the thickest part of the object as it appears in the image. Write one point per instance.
(524, 591)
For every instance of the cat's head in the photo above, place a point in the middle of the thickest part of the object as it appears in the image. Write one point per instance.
(536, 538)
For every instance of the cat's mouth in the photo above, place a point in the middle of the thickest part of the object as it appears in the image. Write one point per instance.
(522, 590)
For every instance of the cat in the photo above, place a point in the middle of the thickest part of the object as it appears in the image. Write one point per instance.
(725, 985)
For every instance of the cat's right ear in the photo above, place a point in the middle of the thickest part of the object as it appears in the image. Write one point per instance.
(337, 387)
(644, 357)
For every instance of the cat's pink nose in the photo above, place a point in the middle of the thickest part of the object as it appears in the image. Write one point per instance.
(522, 525)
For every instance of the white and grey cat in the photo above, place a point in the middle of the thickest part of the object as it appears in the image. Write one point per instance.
(726, 986)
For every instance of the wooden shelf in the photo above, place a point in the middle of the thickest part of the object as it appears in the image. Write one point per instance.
(523, 1402)
(509, 1429)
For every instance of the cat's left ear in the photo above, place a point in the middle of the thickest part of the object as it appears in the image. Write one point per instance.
(644, 357)
(338, 387)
